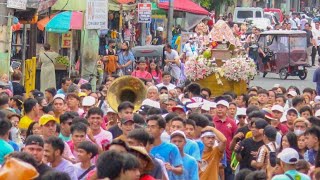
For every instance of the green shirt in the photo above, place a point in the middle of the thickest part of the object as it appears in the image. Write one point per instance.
(64, 138)
(5, 149)
(293, 174)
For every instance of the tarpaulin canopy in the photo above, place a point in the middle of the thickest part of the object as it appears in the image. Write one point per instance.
(185, 6)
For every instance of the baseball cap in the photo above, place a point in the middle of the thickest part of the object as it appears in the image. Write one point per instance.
(289, 156)
(317, 99)
(260, 123)
(223, 103)
(292, 110)
(82, 94)
(44, 119)
(178, 107)
(59, 96)
(125, 120)
(207, 134)
(277, 108)
(38, 94)
(270, 132)
(178, 133)
(241, 112)
(194, 105)
(88, 101)
(34, 140)
(144, 109)
(208, 105)
(160, 29)
(151, 103)
(292, 93)
(110, 110)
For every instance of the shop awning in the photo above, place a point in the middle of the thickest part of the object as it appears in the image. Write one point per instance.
(185, 6)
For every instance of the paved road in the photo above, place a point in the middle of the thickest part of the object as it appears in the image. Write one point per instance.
(271, 79)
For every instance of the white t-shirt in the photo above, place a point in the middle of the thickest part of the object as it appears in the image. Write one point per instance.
(103, 137)
(175, 69)
(316, 35)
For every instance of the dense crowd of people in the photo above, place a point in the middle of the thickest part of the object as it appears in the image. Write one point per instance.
(180, 132)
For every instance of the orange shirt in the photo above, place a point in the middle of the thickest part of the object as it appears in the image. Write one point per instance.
(212, 157)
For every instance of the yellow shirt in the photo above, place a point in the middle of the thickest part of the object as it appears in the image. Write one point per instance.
(25, 122)
(212, 157)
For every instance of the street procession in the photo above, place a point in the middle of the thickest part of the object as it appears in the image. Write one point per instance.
(159, 90)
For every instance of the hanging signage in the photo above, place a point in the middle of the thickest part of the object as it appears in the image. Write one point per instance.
(144, 12)
(97, 14)
(66, 40)
(17, 4)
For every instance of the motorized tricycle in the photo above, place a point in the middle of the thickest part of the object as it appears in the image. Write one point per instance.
(284, 53)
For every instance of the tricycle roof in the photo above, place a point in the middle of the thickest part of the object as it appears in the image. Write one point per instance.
(283, 32)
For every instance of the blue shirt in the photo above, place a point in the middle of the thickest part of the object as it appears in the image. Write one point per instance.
(310, 155)
(291, 173)
(191, 148)
(168, 153)
(190, 167)
(60, 91)
(14, 145)
(5, 149)
(201, 146)
(124, 59)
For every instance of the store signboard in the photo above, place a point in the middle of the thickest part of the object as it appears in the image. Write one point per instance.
(144, 12)
(97, 14)
(17, 4)
(66, 40)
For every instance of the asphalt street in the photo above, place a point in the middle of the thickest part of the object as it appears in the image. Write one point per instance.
(271, 79)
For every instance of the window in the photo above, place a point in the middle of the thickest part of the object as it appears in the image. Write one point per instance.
(244, 14)
(258, 14)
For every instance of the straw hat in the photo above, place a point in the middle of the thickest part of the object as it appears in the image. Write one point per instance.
(142, 151)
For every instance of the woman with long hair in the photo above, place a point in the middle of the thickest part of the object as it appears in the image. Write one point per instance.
(290, 140)
(126, 59)
(155, 71)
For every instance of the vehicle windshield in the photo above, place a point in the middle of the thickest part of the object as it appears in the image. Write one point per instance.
(275, 43)
(298, 43)
(245, 14)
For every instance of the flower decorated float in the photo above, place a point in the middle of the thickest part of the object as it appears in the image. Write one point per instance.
(220, 68)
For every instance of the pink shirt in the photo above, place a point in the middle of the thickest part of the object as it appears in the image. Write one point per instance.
(157, 76)
(141, 74)
(103, 138)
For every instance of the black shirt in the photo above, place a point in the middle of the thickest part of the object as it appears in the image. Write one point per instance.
(18, 89)
(42, 169)
(309, 37)
(115, 131)
(249, 145)
(157, 171)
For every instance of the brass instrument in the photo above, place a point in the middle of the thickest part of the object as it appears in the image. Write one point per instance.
(126, 88)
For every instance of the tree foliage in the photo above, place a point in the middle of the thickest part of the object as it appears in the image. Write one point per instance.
(213, 4)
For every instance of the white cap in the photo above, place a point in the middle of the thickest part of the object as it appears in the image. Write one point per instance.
(151, 103)
(88, 101)
(277, 108)
(276, 85)
(178, 132)
(317, 113)
(194, 105)
(289, 156)
(208, 133)
(160, 29)
(223, 103)
(241, 112)
(317, 99)
(292, 93)
(59, 96)
(110, 110)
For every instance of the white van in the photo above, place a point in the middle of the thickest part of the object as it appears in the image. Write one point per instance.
(242, 13)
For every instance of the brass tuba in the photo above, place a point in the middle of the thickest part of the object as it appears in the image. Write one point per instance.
(126, 88)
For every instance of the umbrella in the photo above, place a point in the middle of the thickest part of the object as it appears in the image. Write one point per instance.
(65, 21)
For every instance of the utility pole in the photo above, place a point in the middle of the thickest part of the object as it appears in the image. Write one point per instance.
(170, 21)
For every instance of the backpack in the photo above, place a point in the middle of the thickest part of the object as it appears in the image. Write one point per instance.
(272, 156)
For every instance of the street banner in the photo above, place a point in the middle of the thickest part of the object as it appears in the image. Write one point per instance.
(17, 4)
(97, 14)
(144, 12)
(66, 40)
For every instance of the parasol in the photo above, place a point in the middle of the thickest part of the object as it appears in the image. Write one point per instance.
(62, 22)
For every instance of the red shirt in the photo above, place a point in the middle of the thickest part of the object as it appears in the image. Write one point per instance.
(228, 128)
(282, 128)
(141, 74)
